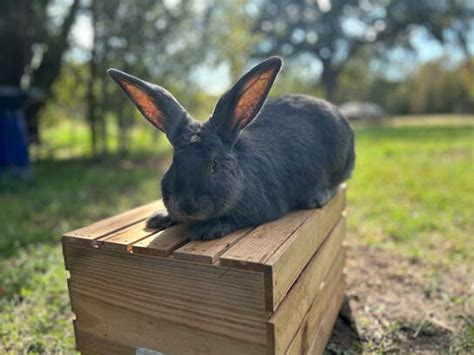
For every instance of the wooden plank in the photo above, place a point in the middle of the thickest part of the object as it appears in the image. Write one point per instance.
(212, 298)
(64, 249)
(318, 322)
(164, 242)
(209, 251)
(91, 345)
(123, 239)
(252, 251)
(107, 323)
(109, 225)
(255, 250)
(294, 254)
(320, 339)
(327, 263)
(216, 319)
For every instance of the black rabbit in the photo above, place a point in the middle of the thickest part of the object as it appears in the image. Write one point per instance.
(250, 162)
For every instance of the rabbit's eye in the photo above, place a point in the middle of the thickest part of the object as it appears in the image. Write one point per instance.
(214, 165)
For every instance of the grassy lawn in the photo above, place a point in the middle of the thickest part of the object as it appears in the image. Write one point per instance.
(410, 235)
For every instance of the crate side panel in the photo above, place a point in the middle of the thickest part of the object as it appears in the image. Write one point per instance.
(292, 257)
(92, 345)
(218, 319)
(126, 329)
(311, 287)
(219, 300)
(316, 327)
(321, 338)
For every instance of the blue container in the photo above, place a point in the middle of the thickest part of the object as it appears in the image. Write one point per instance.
(14, 158)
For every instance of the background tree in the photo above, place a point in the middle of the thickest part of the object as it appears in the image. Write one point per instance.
(33, 46)
(334, 31)
(164, 49)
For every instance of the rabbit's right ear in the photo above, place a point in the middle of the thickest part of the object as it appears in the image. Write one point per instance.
(156, 104)
(239, 106)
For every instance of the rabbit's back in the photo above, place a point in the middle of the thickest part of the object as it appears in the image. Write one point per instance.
(311, 133)
(298, 145)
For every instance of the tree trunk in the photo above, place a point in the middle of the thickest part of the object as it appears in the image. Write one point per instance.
(123, 129)
(44, 77)
(91, 99)
(50, 67)
(329, 77)
(16, 39)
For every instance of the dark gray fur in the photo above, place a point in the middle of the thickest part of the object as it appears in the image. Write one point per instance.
(293, 155)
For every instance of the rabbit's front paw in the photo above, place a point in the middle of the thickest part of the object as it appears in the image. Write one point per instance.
(211, 229)
(159, 220)
(320, 198)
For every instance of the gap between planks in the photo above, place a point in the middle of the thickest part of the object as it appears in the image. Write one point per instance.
(209, 251)
(87, 235)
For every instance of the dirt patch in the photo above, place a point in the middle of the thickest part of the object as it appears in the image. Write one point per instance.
(394, 304)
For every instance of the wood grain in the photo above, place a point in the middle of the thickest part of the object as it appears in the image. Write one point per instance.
(217, 300)
(254, 250)
(328, 260)
(326, 325)
(281, 249)
(109, 225)
(123, 239)
(310, 338)
(92, 345)
(276, 288)
(291, 258)
(111, 324)
(209, 251)
(164, 242)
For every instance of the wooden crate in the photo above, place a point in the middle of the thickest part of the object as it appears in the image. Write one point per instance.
(274, 289)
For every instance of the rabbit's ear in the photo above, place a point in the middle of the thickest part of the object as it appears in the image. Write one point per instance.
(238, 106)
(158, 106)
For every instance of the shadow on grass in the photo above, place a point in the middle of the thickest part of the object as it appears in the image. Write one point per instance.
(68, 194)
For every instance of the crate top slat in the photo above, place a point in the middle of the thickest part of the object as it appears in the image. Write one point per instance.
(123, 239)
(164, 242)
(112, 224)
(209, 251)
(296, 235)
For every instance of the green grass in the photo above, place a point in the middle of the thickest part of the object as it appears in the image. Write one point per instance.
(34, 309)
(413, 191)
(411, 195)
(70, 139)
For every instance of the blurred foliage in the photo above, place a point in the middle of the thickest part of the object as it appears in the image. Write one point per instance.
(433, 87)
(35, 38)
(329, 49)
(29, 28)
(333, 32)
(230, 36)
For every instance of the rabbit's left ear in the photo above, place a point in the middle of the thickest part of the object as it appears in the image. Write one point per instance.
(238, 106)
